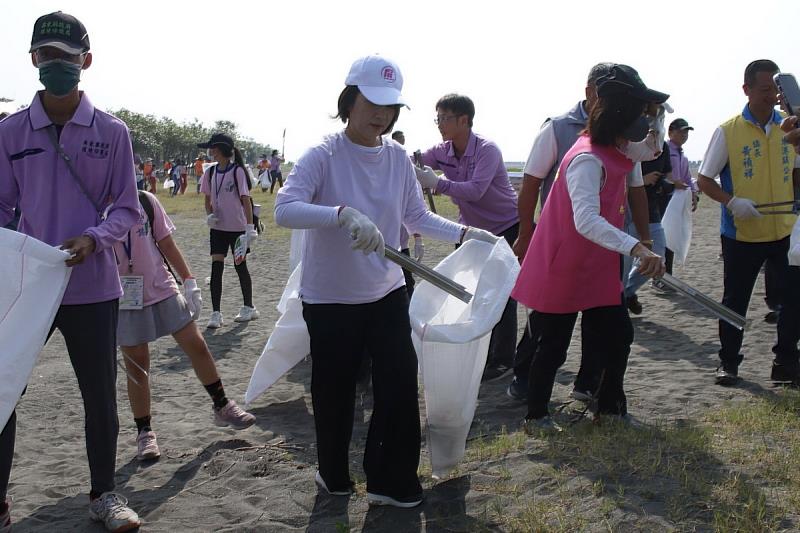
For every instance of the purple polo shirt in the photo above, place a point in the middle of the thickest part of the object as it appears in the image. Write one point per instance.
(477, 183)
(52, 206)
(680, 166)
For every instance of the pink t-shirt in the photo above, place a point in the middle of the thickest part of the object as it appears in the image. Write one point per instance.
(225, 201)
(147, 261)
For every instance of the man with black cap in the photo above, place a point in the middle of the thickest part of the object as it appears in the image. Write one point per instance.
(71, 168)
(681, 176)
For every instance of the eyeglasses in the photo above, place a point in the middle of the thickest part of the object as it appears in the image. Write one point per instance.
(443, 118)
(49, 53)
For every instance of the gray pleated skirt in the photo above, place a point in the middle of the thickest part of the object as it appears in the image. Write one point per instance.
(153, 322)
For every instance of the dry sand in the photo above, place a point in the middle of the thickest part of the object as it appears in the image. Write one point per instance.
(261, 479)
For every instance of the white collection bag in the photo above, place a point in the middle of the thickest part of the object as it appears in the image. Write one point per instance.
(169, 184)
(452, 340)
(677, 223)
(794, 245)
(34, 280)
(288, 344)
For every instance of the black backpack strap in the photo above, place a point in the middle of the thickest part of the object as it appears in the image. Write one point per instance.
(147, 205)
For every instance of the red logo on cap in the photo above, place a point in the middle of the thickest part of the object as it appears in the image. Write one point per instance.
(388, 74)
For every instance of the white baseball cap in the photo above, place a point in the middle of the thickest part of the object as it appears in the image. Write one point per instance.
(379, 80)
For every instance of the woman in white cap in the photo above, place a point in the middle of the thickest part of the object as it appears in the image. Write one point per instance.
(353, 191)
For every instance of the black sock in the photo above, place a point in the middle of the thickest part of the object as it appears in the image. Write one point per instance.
(3, 507)
(142, 424)
(245, 282)
(216, 283)
(93, 495)
(217, 393)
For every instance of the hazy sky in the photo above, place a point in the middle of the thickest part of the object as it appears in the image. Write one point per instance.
(274, 65)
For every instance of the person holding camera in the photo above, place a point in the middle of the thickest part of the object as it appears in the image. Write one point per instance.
(755, 166)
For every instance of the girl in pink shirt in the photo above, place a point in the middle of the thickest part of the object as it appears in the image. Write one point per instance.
(153, 307)
(226, 186)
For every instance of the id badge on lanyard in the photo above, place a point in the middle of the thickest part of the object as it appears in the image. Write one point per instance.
(132, 286)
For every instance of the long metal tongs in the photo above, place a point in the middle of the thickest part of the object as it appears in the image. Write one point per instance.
(717, 309)
(428, 274)
(795, 204)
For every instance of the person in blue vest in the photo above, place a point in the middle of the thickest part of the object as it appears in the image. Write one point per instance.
(756, 166)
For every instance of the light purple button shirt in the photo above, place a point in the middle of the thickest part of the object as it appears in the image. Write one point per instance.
(680, 166)
(52, 205)
(477, 182)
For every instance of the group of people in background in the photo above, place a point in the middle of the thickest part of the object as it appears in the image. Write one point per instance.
(593, 194)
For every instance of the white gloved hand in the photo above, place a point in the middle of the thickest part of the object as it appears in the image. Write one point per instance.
(252, 235)
(194, 300)
(419, 248)
(212, 219)
(365, 234)
(742, 208)
(480, 235)
(427, 177)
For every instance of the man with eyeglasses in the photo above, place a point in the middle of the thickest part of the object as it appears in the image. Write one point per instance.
(475, 177)
(71, 168)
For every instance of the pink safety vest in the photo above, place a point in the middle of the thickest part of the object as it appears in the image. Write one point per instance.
(563, 271)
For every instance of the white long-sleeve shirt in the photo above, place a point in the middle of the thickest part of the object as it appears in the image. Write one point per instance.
(585, 178)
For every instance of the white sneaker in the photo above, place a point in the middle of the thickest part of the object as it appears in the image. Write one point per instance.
(246, 314)
(112, 509)
(215, 321)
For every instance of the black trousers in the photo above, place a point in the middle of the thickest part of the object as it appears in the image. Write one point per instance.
(742, 263)
(504, 334)
(589, 372)
(90, 332)
(606, 338)
(340, 335)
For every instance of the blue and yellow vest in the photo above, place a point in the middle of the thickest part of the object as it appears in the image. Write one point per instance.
(760, 168)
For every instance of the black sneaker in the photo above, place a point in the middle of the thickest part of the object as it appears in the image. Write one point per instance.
(403, 502)
(632, 302)
(495, 372)
(517, 390)
(772, 317)
(785, 373)
(726, 376)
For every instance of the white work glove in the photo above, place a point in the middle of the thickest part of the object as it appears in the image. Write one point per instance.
(742, 208)
(419, 248)
(212, 220)
(366, 235)
(252, 235)
(194, 300)
(426, 177)
(480, 235)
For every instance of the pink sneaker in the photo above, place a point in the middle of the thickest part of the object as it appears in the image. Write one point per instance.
(147, 446)
(234, 416)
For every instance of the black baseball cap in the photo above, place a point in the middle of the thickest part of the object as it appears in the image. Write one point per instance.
(217, 139)
(61, 31)
(680, 124)
(623, 79)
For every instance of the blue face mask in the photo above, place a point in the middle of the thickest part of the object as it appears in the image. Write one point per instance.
(59, 77)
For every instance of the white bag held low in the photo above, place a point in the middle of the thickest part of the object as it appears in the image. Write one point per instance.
(288, 344)
(452, 340)
(677, 223)
(34, 280)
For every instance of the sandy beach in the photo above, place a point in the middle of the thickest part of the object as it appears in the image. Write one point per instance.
(676, 474)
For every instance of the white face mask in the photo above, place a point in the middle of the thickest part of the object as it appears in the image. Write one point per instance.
(645, 150)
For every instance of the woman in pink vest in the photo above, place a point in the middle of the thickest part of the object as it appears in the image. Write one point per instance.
(574, 260)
